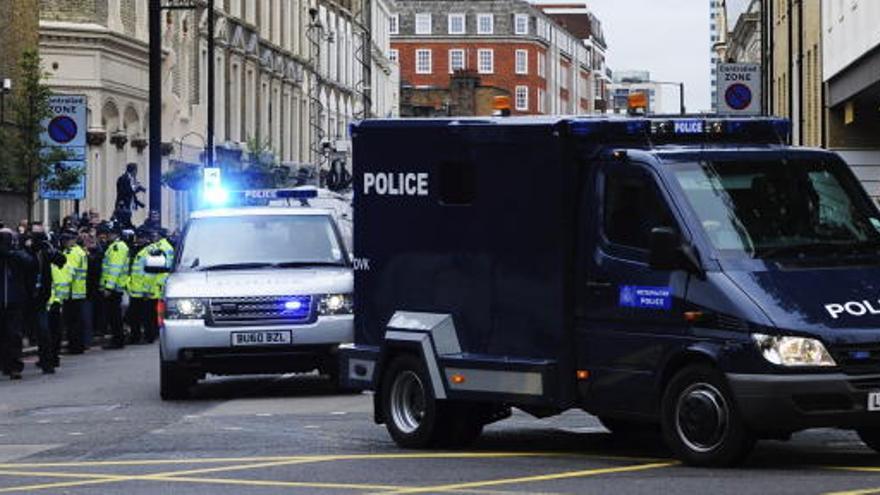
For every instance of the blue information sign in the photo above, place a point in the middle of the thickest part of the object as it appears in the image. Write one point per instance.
(66, 130)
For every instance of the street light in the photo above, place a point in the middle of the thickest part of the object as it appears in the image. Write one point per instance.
(5, 89)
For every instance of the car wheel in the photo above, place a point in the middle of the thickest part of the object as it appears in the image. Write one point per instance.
(700, 422)
(174, 382)
(871, 437)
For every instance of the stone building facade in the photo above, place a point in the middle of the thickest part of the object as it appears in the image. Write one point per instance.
(289, 73)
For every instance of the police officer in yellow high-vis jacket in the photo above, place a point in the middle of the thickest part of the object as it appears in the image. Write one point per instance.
(140, 289)
(77, 268)
(114, 282)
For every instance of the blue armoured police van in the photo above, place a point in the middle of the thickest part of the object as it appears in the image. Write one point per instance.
(696, 274)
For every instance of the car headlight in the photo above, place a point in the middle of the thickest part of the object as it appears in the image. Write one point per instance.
(793, 351)
(185, 309)
(335, 304)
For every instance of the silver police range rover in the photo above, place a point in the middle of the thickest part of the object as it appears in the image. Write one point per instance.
(255, 291)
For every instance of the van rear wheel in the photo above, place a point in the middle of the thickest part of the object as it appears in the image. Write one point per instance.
(414, 418)
(871, 437)
(700, 422)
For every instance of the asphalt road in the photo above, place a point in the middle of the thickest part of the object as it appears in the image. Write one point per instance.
(98, 427)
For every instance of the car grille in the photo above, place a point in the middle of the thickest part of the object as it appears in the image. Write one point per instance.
(857, 359)
(274, 310)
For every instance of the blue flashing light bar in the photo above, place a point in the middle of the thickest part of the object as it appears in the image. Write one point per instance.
(757, 130)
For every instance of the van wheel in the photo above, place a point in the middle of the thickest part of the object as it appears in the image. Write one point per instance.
(174, 382)
(871, 437)
(415, 419)
(700, 422)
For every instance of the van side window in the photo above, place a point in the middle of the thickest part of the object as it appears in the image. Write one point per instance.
(458, 183)
(633, 207)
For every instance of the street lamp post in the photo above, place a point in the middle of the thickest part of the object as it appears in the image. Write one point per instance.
(155, 142)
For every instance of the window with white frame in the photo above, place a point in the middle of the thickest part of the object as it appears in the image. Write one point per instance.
(394, 24)
(456, 23)
(521, 23)
(394, 55)
(485, 24)
(522, 61)
(423, 61)
(564, 75)
(542, 96)
(542, 64)
(423, 23)
(456, 60)
(522, 98)
(486, 61)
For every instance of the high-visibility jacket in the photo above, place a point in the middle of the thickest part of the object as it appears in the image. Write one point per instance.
(161, 278)
(78, 267)
(61, 281)
(140, 283)
(114, 268)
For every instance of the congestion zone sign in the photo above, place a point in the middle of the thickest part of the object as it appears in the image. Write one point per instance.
(739, 89)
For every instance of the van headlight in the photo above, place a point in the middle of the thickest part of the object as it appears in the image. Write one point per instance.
(185, 309)
(335, 304)
(793, 351)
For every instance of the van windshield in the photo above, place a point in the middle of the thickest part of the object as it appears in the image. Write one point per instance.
(780, 208)
(260, 241)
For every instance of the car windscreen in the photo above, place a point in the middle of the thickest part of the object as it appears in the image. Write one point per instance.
(260, 241)
(769, 209)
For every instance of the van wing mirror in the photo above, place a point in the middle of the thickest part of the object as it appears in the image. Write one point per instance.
(156, 263)
(667, 252)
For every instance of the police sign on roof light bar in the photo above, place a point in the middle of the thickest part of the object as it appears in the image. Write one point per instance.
(667, 271)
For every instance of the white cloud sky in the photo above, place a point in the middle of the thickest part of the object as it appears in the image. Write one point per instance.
(669, 38)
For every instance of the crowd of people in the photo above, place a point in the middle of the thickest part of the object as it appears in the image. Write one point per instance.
(70, 283)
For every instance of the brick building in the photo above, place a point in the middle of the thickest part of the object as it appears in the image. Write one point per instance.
(510, 45)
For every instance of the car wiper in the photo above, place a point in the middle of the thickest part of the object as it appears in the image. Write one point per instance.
(234, 266)
(307, 264)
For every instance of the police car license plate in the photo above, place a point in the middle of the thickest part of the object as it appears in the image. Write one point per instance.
(242, 339)
(874, 402)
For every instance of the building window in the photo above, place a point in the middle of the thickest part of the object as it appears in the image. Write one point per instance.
(394, 55)
(522, 61)
(394, 24)
(522, 98)
(423, 23)
(521, 24)
(456, 23)
(542, 95)
(456, 60)
(486, 61)
(485, 24)
(542, 65)
(423, 61)
(563, 77)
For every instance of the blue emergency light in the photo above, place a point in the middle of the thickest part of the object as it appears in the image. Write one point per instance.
(659, 130)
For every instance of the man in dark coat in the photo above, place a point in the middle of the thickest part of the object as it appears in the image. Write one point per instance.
(48, 333)
(16, 269)
(127, 189)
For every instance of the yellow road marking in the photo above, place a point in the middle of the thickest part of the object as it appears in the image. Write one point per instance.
(62, 484)
(534, 479)
(288, 484)
(150, 462)
(867, 491)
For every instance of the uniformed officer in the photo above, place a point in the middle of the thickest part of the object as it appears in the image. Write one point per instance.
(159, 246)
(77, 267)
(47, 261)
(114, 281)
(140, 287)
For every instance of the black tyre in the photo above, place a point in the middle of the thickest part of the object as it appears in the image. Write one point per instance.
(871, 437)
(700, 422)
(174, 382)
(415, 419)
(625, 427)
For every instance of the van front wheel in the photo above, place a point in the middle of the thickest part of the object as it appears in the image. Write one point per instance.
(700, 421)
